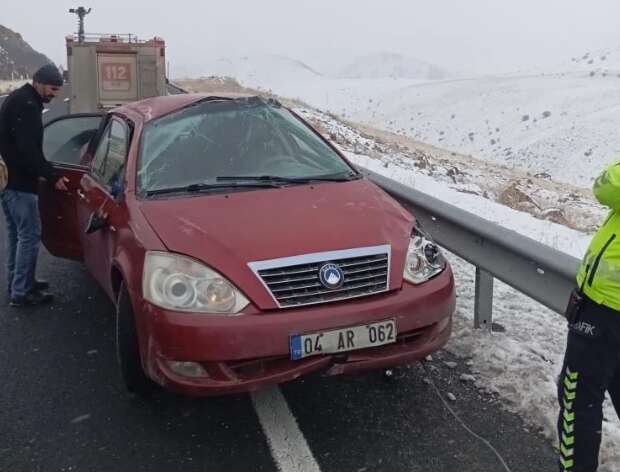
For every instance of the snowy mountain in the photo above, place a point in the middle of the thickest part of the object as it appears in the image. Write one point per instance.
(382, 65)
(17, 58)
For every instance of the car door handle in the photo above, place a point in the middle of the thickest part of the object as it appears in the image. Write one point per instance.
(80, 194)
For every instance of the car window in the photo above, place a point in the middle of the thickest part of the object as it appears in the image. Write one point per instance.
(64, 140)
(100, 153)
(109, 159)
(248, 137)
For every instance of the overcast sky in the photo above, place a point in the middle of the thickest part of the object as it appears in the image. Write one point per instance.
(475, 36)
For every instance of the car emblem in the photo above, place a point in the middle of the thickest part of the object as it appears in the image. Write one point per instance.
(331, 276)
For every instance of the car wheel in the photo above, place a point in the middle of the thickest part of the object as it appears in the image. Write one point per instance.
(128, 349)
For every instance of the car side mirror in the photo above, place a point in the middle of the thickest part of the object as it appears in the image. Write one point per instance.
(96, 221)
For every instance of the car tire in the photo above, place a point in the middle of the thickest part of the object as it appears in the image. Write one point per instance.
(128, 348)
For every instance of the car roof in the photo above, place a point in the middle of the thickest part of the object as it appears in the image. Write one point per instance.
(155, 107)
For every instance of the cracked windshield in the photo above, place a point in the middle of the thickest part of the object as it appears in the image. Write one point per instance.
(235, 137)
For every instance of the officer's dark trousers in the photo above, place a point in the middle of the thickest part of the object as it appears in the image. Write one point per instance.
(591, 367)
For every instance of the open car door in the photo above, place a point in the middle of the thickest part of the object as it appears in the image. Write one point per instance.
(65, 140)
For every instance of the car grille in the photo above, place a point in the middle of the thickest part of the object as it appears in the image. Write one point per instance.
(295, 281)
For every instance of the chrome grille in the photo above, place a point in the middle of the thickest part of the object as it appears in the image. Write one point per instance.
(294, 281)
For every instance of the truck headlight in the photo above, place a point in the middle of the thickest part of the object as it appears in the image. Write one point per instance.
(424, 259)
(179, 283)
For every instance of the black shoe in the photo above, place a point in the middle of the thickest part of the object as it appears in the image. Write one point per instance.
(35, 297)
(41, 285)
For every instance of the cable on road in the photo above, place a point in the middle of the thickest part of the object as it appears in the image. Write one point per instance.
(461, 422)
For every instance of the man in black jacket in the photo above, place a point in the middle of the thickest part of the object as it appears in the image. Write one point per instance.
(21, 148)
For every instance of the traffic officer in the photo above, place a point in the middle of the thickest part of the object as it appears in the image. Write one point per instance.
(592, 359)
(21, 148)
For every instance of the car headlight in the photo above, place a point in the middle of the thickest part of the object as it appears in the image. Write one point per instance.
(179, 283)
(424, 259)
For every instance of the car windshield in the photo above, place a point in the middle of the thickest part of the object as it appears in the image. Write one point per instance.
(236, 139)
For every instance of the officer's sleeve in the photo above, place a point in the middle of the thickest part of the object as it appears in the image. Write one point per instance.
(607, 187)
(31, 159)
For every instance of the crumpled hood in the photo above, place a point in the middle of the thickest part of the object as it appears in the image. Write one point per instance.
(226, 231)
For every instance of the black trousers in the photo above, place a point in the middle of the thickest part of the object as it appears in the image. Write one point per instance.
(591, 367)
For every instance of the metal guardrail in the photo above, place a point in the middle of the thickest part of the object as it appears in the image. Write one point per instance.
(539, 271)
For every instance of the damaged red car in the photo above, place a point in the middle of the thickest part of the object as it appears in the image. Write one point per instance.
(239, 247)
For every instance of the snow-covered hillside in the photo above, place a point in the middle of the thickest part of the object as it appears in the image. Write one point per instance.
(398, 66)
(561, 125)
(602, 61)
(564, 125)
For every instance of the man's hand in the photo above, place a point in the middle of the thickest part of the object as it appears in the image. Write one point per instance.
(61, 184)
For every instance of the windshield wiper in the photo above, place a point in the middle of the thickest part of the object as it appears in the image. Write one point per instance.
(206, 187)
(292, 180)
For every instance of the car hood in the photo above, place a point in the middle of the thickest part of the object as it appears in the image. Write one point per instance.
(227, 231)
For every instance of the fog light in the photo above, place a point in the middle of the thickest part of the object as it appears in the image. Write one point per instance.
(188, 369)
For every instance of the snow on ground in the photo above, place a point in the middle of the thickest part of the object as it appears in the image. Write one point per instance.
(601, 61)
(562, 124)
(523, 363)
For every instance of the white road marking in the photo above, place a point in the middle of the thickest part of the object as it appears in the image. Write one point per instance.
(288, 445)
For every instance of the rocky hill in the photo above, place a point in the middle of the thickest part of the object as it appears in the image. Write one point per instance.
(17, 58)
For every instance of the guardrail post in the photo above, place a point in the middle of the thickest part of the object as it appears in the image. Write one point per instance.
(483, 303)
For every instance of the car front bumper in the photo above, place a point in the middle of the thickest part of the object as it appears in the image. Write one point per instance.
(249, 351)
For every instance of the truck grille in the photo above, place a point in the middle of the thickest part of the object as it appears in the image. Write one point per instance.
(295, 281)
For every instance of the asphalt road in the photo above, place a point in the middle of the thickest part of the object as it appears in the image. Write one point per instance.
(63, 407)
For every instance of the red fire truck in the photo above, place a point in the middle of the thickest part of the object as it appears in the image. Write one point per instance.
(105, 71)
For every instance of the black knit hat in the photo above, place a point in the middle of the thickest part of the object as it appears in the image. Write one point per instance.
(48, 75)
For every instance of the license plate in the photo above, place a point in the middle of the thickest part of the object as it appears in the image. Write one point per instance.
(341, 340)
